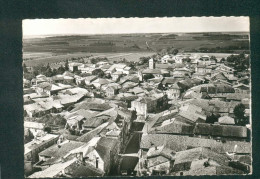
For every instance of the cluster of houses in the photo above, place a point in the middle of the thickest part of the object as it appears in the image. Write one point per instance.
(171, 100)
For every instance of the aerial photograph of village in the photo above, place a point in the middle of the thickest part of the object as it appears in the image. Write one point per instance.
(137, 97)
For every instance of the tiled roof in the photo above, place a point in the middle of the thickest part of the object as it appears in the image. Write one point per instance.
(83, 170)
(56, 152)
(53, 170)
(161, 151)
(179, 143)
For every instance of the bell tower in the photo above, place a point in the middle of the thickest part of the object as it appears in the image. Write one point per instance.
(151, 64)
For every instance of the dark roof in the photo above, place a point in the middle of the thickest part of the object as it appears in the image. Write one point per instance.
(88, 136)
(96, 121)
(170, 80)
(161, 151)
(164, 66)
(92, 106)
(212, 170)
(45, 85)
(173, 128)
(109, 143)
(188, 83)
(155, 71)
(55, 151)
(179, 143)
(220, 130)
(217, 88)
(83, 170)
(200, 153)
(103, 152)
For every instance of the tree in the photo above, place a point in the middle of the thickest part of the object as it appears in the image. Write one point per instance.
(48, 71)
(144, 60)
(213, 58)
(188, 60)
(239, 112)
(61, 70)
(212, 118)
(148, 76)
(66, 65)
(238, 62)
(172, 50)
(160, 86)
(25, 68)
(98, 72)
(54, 72)
(222, 60)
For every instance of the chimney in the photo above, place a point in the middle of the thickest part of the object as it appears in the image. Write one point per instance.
(80, 156)
(155, 147)
(97, 162)
(62, 160)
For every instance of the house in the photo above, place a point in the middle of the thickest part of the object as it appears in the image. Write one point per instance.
(74, 66)
(174, 91)
(118, 67)
(80, 80)
(164, 66)
(116, 75)
(75, 122)
(165, 58)
(178, 58)
(180, 143)
(34, 110)
(169, 81)
(34, 127)
(144, 105)
(98, 83)
(55, 170)
(205, 59)
(220, 131)
(59, 166)
(155, 72)
(54, 153)
(90, 79)
(169, 125)
(57, 79)
(242, 88)
(32, 148)
(82, 169)
(198, 168)
(104, 154)
(181, 71)
(112, 90)
(191, 117)
(50, 89)
(225, 69)
(226, 120)
(159, 160)
(194, 158)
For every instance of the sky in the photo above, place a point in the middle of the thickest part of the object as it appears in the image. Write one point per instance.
(35, 27)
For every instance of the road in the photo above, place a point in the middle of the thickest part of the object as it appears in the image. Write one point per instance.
(129, 163)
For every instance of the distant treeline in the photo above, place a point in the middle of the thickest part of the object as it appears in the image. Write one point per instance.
(210, 36)
(171, 36)
(228, 49)
(102, 44)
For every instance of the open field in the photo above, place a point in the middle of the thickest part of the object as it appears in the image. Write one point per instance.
(116, 47)
(60, 59)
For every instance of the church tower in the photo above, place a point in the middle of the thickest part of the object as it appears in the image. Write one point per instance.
(151, 64)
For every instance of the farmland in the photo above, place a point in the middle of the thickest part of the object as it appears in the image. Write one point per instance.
(60, 59)
(115, 47)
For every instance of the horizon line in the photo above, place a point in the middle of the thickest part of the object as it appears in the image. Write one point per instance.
(79, 34)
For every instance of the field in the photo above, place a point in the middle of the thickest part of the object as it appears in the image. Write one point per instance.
(116, 47)
(60, 59)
